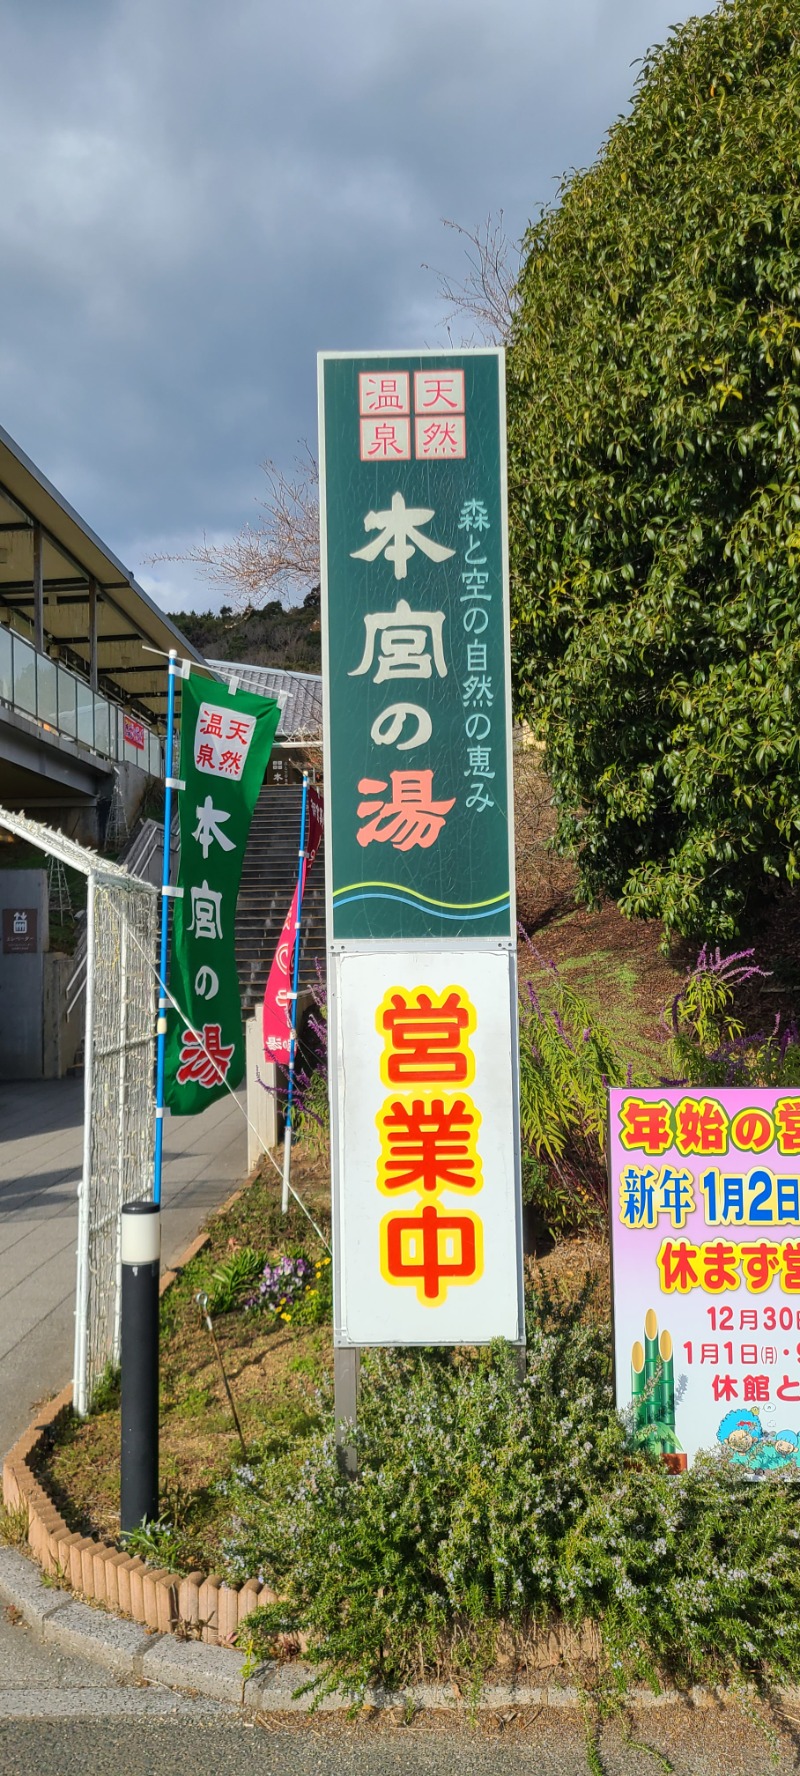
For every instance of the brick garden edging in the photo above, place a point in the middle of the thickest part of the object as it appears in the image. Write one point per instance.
(196, 1607)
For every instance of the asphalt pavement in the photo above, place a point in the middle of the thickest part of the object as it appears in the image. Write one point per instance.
(148, 1733)
(41, 1136)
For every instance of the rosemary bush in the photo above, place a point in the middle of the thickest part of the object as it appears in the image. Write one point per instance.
(484, 1508)
(467, 1485)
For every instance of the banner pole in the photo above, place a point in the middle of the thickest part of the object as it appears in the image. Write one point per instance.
(161, 1026)
(301, 871)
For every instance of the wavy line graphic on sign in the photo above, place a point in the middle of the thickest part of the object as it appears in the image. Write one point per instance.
(353, 891)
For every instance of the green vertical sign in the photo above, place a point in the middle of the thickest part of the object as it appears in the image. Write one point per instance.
(416, 645)
(226, 741)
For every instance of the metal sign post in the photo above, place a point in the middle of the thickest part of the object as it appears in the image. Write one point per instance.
(419, 851)
(173, 671)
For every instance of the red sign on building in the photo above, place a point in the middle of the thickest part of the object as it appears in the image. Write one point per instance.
(133, 732)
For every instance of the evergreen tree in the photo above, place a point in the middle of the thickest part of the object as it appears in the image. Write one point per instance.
(654, 397)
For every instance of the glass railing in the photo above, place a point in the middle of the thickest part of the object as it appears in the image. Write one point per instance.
(65, 703)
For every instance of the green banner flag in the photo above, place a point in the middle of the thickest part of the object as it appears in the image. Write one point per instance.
(226, 741)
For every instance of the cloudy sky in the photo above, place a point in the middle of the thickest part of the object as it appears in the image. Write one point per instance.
(198, 197)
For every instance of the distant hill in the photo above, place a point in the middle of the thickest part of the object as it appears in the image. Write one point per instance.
(271, 636)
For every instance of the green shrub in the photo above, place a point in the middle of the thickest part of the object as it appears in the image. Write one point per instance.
(158, 1543)
(694, 1574)
(654, 446)
(467, 1484)
(232, 1278)
(483, 1508)
(567, 1061)
(106, 1396)
(709, 1045)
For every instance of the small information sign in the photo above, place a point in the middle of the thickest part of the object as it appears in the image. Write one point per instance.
(20, 931)
(133, 732)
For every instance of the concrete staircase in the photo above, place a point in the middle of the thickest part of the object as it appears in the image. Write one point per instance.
(269, 876)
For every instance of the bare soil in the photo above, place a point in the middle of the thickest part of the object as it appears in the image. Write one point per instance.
(273, 1370)
(274, 1374)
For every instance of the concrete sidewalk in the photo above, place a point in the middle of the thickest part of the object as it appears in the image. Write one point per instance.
(41, 1136)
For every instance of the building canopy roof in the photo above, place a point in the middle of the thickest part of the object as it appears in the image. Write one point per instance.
(82, 582)
(299, 695)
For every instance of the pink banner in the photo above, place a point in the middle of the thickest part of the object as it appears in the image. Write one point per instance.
(277, 1013)
(705, 1227)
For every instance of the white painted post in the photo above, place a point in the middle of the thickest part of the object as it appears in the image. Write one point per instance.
(84, 1189)
(262, 1106)
(122, 1088)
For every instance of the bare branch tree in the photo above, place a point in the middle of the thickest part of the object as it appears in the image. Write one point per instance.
(276, 556)
(487, 293)
(279, 555)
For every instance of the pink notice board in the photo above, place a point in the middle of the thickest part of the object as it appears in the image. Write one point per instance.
(705, 1233)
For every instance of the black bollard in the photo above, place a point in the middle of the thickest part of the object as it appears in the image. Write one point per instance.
(141, 1254)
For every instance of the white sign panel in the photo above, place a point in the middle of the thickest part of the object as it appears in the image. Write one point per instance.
(426, 1204)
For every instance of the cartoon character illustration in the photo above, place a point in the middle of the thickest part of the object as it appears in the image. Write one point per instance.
(778, 1450)
(741, 1434)
(749, 1445)
(787, 1444)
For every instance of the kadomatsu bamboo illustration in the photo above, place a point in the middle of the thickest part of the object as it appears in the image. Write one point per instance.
(226, 742)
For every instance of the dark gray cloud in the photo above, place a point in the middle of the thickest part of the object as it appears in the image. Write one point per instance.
(199, 198)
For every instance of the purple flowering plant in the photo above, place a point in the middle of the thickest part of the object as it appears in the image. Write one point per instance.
(282, 1285)
(294, 1287)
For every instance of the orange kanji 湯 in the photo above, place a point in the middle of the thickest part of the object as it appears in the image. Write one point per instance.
(410, 817)
(427, 1037)
(431, 1250)
(429, 1145)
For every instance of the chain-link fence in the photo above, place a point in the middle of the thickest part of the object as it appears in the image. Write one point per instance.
(119, 1112)
(121, 930)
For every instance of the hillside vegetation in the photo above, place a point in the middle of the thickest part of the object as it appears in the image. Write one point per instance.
(654, 394)
(271, 636)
